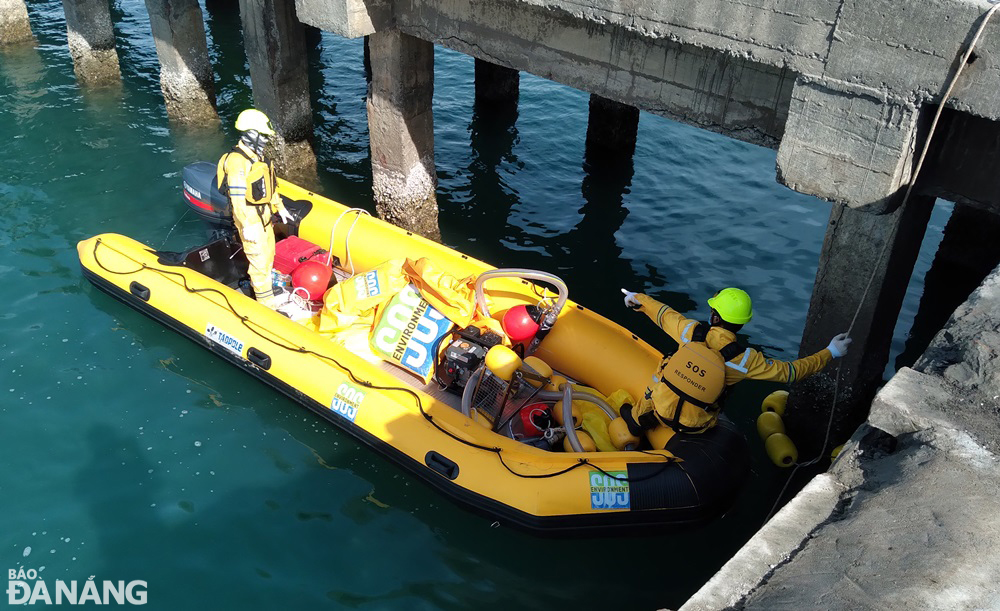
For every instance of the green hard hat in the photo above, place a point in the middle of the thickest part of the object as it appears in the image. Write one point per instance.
(733, 305)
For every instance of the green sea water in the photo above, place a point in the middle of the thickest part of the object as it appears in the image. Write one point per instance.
(130, 453)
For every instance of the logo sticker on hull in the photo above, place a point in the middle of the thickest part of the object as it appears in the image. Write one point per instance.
(609, 491)
(224, 339)
(346, 401)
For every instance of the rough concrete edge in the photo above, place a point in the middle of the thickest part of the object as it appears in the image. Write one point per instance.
(910, 402)
(773, 546)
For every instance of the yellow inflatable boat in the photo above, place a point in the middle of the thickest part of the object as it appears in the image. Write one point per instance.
(487, 419)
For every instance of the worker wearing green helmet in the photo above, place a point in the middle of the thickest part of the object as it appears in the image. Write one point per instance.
(246, 176)
(686, 388)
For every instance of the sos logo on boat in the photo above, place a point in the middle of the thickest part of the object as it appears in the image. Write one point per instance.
(227, 341)
(367, 285)
(409, 331)
(609, 490)
(346, 401)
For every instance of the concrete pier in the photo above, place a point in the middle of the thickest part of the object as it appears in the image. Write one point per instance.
(612, 130)
(275, 43)
(92, 42)
(185, 71)
(401, 131)
(496, 86)
(852, 254)
(15, 27)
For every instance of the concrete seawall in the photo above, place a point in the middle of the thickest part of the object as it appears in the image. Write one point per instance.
(906, 516)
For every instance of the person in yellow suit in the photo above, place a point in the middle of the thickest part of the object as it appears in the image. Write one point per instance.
(685, 390)
(246, 176)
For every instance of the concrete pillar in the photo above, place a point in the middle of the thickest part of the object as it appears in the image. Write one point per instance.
(969, 251)
(401, 131)
(850, 256)
(14, 24)
(275, 44)
(185, 71)
(496, 86)
(612, 128)
(847, 144)
(92, 42)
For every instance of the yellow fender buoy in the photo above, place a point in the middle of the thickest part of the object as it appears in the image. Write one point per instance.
(775, 402)
(585, 440)
(557, 414)
(621, 437)
(556, 382)
(769, 423)
(836, 452)
(659, 436)
(503, 362)
(538, 366)
(781, 450)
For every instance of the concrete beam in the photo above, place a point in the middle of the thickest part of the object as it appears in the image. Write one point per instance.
(185, 71)
(849, 259)
(347, 18)
(15, 27)
(496, 86)
(275, 43)
(847, 144)
(92, 42)
(701, 86)
(401, 131)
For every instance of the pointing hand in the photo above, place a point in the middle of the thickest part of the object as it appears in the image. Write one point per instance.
(630, 300)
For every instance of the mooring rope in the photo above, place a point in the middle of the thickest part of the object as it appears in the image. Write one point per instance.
(885, 246)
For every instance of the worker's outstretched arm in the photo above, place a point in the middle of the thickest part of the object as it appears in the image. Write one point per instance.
(760, 367)
(670, 320)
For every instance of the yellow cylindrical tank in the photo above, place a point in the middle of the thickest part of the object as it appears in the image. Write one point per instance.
(781, 450)
(769, 423)
(775, 402)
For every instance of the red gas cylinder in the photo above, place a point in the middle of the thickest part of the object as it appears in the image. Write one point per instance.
(520, 323)
(313, 277)
(532, 417)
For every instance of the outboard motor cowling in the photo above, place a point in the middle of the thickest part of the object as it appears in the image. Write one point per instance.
(203, 196)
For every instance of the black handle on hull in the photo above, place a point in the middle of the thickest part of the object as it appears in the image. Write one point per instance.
(442, 465)
(258, 358)
(139, 290)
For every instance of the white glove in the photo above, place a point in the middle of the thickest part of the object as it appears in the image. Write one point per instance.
(630, 300)
(838, 345)
(252, 233)
(285, 215)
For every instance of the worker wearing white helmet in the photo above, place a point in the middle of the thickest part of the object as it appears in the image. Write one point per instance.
(247, 178)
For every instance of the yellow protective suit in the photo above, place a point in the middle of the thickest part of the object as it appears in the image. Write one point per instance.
(248, 180)
(749, 364)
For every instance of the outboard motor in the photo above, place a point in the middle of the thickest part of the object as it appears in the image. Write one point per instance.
(204, 198)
